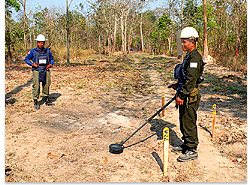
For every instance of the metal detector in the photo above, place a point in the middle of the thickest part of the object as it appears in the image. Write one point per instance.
(118, 148)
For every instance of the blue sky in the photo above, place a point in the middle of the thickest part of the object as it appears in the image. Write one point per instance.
(62, 3)
(58, 3)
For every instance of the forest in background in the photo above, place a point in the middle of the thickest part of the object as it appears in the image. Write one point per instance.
(110, 26)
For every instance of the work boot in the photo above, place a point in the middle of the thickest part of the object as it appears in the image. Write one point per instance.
(179, 149)
(47, 102)
(191, 154)
(36, 104)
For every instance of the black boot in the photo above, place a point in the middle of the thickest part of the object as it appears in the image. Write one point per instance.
(47, 102)
(180, 149)
(190, 155)
(36, 104)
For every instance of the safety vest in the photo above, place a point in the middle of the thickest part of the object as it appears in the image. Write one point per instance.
(42, 58)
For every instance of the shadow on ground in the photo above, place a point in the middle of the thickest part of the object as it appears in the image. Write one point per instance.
(8, 99)
(52, 98)
(157, 126)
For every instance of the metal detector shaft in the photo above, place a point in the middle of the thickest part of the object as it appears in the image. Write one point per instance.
(149, 120)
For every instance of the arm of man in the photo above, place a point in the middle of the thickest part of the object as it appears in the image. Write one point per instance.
(29, 59)
(51, 60)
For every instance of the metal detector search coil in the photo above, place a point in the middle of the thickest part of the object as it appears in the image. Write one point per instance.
(116, 148)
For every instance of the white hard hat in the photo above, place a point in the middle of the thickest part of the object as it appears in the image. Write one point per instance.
(189, 33)
(40, 37)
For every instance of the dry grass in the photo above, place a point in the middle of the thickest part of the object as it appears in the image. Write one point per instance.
(60, 53)
(234, 63)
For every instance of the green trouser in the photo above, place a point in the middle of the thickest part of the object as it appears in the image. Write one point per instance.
(188, 118)
(36, 85)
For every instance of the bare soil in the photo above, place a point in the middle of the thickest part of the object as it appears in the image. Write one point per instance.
(101, 101)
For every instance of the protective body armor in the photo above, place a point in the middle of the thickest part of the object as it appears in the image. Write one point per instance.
(42, 58)
(179, 74)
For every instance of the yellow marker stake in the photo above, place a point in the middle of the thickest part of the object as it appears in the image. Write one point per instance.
(165, 150)
(214, 120)
(163, 102)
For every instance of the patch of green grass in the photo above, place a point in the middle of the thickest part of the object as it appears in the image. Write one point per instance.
(26, 128)
(216, 89)
(105, 89)
(80, 87)
(236, 90)
(11, 154)
(77, 94)
(96, 97)
(241, 91)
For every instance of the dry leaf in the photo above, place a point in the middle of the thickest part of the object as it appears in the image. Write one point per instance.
(49, 179)
(53, 156)
(132, 124)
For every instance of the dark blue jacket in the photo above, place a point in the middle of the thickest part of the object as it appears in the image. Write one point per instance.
(30, 58)
(180, 75)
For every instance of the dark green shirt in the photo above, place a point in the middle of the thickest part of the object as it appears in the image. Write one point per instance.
(193, 69)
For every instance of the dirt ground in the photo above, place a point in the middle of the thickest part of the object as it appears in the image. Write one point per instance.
(101, 101)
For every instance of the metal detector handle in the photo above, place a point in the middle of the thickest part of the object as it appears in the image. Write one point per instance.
(149, 120)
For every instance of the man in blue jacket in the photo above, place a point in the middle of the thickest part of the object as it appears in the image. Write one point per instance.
(41, 60)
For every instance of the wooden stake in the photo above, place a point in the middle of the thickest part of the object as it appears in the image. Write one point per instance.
(165, 150)
(163, 102)
(214, 120)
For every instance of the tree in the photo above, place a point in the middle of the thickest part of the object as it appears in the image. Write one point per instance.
(104, 17)
(117, 25)
(9, 22)
(162, 32)
(23, 3)
(230, 25)
(9, 4)
(149, 20)
(113, 17)
(67, 13)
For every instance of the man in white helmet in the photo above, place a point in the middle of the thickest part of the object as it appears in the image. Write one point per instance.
(189, 74)
(41, 60)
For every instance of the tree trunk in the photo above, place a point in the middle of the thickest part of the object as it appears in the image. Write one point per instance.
(181, 13)
(169, 45)
(125, 29)
(205, 49)
(67, 12)
(99, 48)
(109, 45)
(30, 40)
(24, 24)
(114, 37)
(142, 43)
(125, 34)
(123, 39)
(130, 36)
(8, 43)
